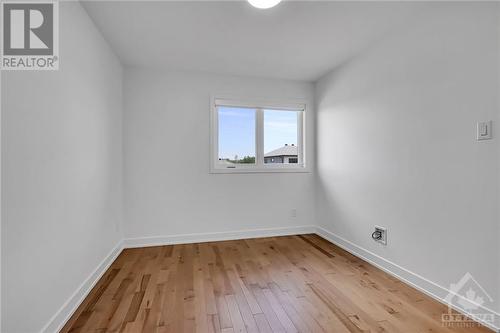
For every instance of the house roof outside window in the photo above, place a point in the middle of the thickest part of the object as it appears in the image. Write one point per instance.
(286, 150)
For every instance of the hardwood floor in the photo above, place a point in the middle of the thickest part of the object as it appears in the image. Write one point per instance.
(279, 284)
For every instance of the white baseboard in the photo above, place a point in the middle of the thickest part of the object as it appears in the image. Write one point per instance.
(217, 236)
(57, 322)
(420, 283)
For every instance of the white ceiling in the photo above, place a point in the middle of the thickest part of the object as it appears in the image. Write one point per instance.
(294, 40)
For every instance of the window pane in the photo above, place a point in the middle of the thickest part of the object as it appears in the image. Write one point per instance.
(236, 136)
(280, 136)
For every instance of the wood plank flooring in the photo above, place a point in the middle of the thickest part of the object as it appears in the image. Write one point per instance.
(279, 284)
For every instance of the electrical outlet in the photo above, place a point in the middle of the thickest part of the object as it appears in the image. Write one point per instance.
(380, 235)
(293, 213)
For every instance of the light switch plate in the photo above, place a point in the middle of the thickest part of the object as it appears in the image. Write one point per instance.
(484, 130)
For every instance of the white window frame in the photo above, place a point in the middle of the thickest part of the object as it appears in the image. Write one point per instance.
(259, 106)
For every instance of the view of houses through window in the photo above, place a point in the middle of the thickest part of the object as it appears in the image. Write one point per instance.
(237, 134)
(286, 154)
(280, 136)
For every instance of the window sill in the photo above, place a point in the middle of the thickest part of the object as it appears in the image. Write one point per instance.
(260, 170)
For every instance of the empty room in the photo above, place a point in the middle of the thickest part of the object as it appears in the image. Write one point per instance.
(250, 166)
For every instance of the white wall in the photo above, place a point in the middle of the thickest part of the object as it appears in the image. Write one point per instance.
(396, 143)
(61, 173)
(396, 146)
(168, 188)
(498, 98)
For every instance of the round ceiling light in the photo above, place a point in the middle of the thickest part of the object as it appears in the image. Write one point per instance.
(264, 4)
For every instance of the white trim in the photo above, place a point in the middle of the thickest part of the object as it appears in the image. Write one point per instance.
(301, 138)
(263, 169)
(57, 322)
(418, 282)
(259, 105)
(217, 236)
(214, 139)
(259, 138)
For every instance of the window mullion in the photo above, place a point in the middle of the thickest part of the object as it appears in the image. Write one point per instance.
(259, 137)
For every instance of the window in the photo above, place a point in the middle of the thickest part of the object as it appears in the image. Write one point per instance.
(281, 136)
(236, 136)
(257, 137)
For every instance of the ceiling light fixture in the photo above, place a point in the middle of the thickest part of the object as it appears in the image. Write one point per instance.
(264, 4)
